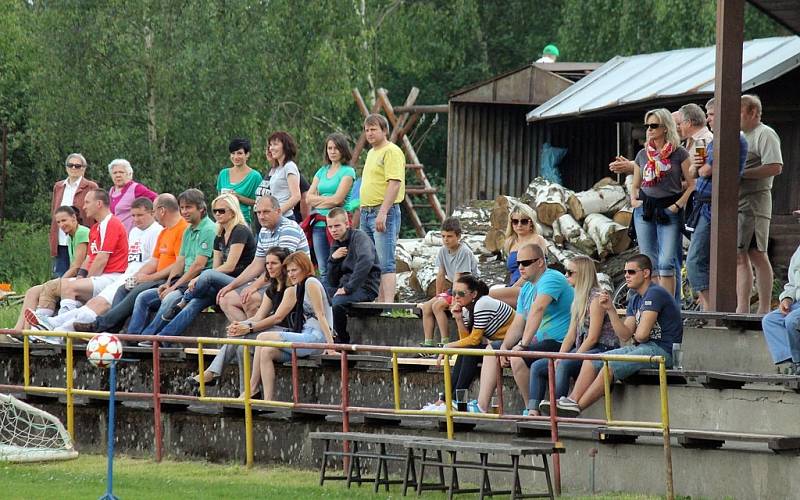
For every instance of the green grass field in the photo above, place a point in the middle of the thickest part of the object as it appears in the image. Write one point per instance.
(143, 479)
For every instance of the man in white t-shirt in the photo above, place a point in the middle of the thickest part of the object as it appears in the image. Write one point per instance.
(141, 244)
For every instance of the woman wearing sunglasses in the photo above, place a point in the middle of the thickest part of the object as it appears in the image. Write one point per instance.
(234, 250)
(590, 331)
(480, 320)
(520, 231)
(661, 187)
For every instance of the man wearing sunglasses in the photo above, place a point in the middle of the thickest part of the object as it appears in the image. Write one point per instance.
(543, 313)
(653, 320)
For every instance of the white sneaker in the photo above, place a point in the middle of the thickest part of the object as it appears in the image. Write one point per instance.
(567, 407)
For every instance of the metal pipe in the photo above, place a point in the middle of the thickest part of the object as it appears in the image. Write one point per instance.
(295, 378)
(157, 402)
(345, 402)
(248, 410)
(662, 386)
(70, 399)
(551, 383)
(201, 369)
(448, 397)
(26, 361)
(499, 387)
(396, 380)
(607, 390)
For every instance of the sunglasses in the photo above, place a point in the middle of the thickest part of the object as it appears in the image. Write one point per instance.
(524, 222)
(460, 293)
(631, 272)
(569, 272)
(652, 126)
(220, 211)
(527, 262)
(74, 166)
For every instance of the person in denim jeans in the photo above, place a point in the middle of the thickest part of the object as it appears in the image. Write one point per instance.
(782, 326)
(652, 321)
(698, 259)
(382, 189)
(590, 332)
(659, 196)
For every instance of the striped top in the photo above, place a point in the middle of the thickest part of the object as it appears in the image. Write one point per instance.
(492, 320)
(286, 235)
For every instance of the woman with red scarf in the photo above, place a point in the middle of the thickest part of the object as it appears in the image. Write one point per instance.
(661, 187)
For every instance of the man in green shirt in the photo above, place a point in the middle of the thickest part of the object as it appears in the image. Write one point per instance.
(196, 253)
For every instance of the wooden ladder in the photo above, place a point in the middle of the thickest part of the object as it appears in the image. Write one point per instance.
(400, 127)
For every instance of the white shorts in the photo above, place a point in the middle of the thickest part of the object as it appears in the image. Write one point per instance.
(109, 291)
(99, 283)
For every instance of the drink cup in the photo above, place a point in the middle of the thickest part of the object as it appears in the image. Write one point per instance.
(130, 282)
(677, 357)
(461, 399)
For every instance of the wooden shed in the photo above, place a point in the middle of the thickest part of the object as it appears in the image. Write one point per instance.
(490, 148)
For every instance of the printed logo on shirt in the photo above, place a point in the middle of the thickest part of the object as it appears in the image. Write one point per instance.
(135, 252)
(204, 245)
(648, 302)
(93, 248)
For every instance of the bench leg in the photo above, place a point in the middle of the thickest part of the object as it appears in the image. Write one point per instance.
(441, 468)
(453, 486)
(410, 470)
(354, 471)
(546, 468)
(382, 474)
(517, 489)
(324, 465)
(486, 487)
(421, 480)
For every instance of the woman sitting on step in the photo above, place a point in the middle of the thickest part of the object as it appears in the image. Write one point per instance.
(268, 317)
(310, 321)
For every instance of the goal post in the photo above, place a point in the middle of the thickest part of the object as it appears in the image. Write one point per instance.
(28, 434)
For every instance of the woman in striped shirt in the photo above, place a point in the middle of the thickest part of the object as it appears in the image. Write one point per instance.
(482, 320)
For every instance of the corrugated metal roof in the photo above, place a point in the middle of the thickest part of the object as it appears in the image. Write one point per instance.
(629, 80)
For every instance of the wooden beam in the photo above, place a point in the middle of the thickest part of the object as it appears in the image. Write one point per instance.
(424, 108)
(725, 196)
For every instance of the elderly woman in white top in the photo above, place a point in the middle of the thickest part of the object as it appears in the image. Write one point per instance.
(125, 190)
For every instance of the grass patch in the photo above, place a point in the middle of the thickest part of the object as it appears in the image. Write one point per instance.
(142, 479)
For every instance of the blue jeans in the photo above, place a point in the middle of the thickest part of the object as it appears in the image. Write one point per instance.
(146, 302)
(339, 304)
(624, 369)
(565, 370)
(782, 334)
(322, 250)
(698, 259)
(203, 295)
(385, 242)
(61, 261)
(659, 241)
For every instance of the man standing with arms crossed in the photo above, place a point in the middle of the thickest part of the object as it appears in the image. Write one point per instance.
(382, 189)
(764, 162)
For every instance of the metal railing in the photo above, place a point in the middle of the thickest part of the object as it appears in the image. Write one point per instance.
(344, 407)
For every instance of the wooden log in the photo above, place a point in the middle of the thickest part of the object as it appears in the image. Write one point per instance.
(558, 255)
(614, 265)
(494, 240)
(574, 233)
(600, 199)
(549, 199)
(609, 236)
(405, 292)
(423, 280)
(605, 282)
(402, 259)
(475, 216)
(624, 215)
(502, 208)
(558, 237)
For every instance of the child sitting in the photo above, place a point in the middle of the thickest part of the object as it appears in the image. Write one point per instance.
(453, 260)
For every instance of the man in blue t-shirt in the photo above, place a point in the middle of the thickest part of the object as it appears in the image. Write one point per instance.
(653, 319)
(543, 313)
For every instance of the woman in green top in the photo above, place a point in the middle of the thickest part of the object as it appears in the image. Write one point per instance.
(68, 220)
(240, 180)
(329, 189)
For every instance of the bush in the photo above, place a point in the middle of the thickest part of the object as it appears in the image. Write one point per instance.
(24, 254)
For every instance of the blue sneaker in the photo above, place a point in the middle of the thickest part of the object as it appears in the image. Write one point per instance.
(525, 412)
(472, 407)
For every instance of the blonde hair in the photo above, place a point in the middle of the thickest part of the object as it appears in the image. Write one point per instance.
(233, 205)
(585, 279)
(751, 102)
(511, 236)
(664, 118)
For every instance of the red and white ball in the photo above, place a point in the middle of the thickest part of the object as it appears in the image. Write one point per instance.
(103, 349)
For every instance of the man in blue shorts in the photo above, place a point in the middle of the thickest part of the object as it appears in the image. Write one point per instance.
(653, 319)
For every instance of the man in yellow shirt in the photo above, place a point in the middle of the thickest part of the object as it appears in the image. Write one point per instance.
(382, 189)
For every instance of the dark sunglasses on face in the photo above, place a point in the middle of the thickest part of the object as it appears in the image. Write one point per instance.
(220, 211)
(527, 262)
(524, 222)
(569, 272)
(631, 272)
(460, 293)
(74, 166)
(652, 126)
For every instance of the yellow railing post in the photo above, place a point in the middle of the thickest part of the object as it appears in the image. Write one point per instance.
(396, 380)
(607, 390)
(201, 369)
(70, 383)
(26, 361)
(448, 397)
(662, 386)
(248, 409)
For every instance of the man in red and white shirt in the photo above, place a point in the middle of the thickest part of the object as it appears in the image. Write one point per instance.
(107, 258)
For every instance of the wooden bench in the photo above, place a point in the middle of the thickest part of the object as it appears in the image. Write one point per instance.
(514, 450)
(715, 380)
(702, 439)
(356, 454)
(742, 321)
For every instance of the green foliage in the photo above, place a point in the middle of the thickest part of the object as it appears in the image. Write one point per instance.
(25, 255)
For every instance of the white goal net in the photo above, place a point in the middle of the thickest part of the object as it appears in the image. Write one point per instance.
(28, 434)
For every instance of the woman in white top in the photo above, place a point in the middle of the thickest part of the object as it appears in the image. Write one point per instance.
(283, 179)
(310, 318)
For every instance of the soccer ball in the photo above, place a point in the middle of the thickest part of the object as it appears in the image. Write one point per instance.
(103, 349)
